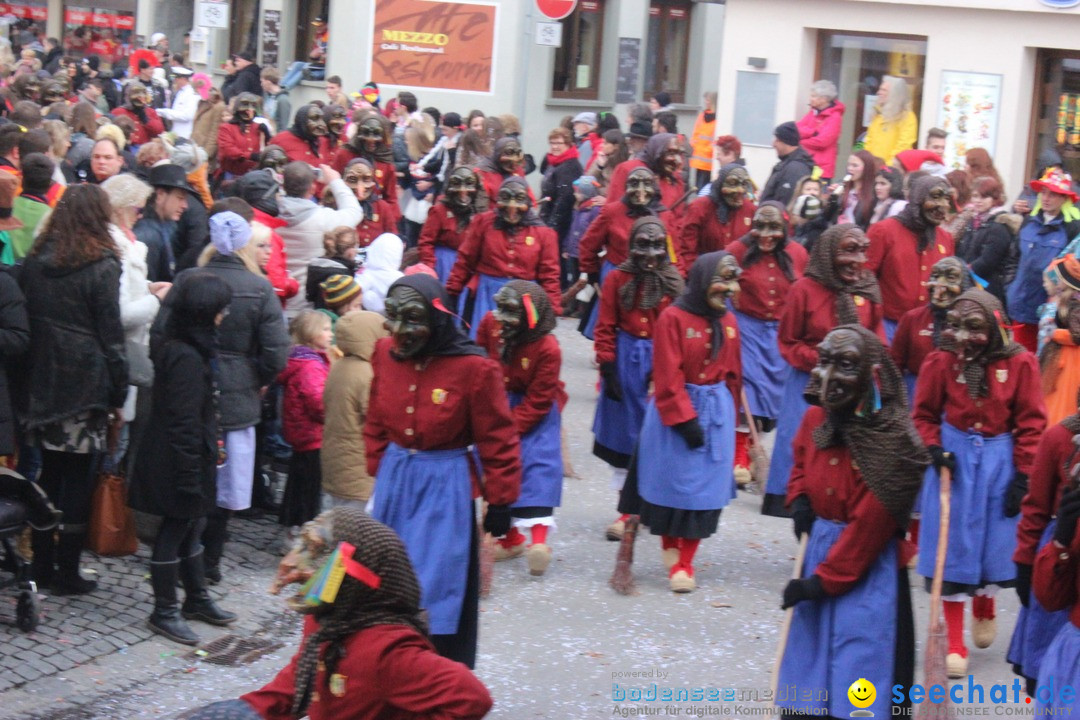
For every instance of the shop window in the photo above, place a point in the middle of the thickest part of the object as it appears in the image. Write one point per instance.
(310, 35)
(26, 25)
(856, 63)
(108, 32)
(577, 60)
(243, 26)
(1057, 109)
(668, 45)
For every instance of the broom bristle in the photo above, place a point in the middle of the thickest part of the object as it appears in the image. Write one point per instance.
(935, 672)
(622, 580)
(759, 467)
(487, 563)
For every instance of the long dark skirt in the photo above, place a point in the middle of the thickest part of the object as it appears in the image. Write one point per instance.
(303, 490)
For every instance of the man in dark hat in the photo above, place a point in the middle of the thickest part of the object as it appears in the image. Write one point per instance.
(636, 137)
(795, 164)
(247, 76)
(157, 226)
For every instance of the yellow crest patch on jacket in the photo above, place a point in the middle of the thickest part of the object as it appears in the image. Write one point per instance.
(438, 396)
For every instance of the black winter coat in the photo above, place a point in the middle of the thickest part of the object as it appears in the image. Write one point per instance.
(253, 346)
(14, 342)
(246, 80)
(176, 471)
(76, 361)
(557, 188)
(987, 251)
(785, 175)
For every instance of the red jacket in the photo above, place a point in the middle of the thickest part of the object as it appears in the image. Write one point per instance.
(491, 181)
(284, 285)
(613, 316)
(610, 231)
(533, 371)
(903, 271)
(390, 672)
(1015, 403)
(914, 339)
(1047, 482)
(836, 490)
(298, 149)
(681, 354)
(702, 232)
(671, 192)
(531, 254)
(444, 403)
(440, 229)
(1056, 582)
(384, 175)
(820, 132)
(303, 412)
(236, 144)
(809, 314)
(763, 287)
(144, 131)
(380, 220)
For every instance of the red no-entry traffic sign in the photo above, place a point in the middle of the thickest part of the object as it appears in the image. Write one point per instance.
(556, 9)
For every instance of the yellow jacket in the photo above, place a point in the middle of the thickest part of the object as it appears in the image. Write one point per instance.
(701, 143)
(886, 139)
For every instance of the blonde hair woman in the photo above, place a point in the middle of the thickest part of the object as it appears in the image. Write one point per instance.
(894, 127)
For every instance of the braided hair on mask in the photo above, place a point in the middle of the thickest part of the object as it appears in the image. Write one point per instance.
(822, 269)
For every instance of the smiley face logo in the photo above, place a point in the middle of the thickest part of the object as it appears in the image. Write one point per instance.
(862, 694)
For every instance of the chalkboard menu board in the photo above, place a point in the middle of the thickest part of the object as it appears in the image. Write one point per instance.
(629, 60)
(271, 32)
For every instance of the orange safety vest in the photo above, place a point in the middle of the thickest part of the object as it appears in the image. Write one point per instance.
(701, 143)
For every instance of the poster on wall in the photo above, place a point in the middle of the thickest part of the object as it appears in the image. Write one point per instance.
(434, 44)
(969, 110)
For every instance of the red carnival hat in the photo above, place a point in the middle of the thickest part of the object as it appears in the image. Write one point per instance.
(1056, 181)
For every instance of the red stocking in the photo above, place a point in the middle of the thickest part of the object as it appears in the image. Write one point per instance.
(514, 537)
(667, 542)
(687, 548)
(954, 623)
(913, 532)
(982, 607)
(539, 534)
(742, 445)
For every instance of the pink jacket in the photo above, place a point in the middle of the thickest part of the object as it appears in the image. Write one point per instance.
(819, 132)
(303, 412)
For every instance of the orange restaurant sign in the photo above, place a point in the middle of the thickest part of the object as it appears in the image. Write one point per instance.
(434, 44)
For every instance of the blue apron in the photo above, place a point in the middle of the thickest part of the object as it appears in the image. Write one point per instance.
(981, 538)
(617, 423)
(590, 325)
(541, 460)
(444, 262)
(837, 640)
(890, 332)
(484, 301)
(672, 475)
(764, 369)
(792, 409)
(1036, 627)
(425, 496)
(1060, 666)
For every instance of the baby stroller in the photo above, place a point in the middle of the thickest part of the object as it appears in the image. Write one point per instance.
(22, 504)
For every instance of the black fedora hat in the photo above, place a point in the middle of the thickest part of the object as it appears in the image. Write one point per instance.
(168, 175)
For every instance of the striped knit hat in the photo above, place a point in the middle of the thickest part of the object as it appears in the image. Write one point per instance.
(339, 289)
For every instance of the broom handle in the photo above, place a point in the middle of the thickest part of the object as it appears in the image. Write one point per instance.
(749, 417)
(786, 627)
(945, 493)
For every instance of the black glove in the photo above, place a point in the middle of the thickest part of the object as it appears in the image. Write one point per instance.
(254, 157)
(1015, 494)
(594, 278)
(497, 520)
(612, 387)
(803, 515)
(1067, 515)
(1023, 583)
(691, 432)
(941, 458)
(140, 112)
(803, 589)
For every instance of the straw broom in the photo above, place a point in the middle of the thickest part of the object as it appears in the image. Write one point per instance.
(622, 580)
(785, 629)
(937, 641)
(759, 460)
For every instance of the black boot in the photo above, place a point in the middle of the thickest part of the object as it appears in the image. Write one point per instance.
(67, 580)
(166, 620)
(213, 540)
(198, 604)
(43, 564)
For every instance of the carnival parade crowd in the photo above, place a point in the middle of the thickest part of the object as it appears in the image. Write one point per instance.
(198, 282)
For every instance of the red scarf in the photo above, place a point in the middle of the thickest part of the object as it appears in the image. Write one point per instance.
(571, 154)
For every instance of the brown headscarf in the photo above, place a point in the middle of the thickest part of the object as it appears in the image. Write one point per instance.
(395, 602)
(545, 316)
(884, 443)
(821, 269)
(998, 348)
(911, 216)
(665, 280)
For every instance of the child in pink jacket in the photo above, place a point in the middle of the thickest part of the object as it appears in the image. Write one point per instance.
(303, 415)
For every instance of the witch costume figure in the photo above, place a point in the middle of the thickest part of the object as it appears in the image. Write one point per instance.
(664, 156)
(980, 413)
(609, 233)
(372, 142)
(718, 219)
(771, 264)
(517, 334)
(447, 222)
(305, 140)
(507, 160)
(858, 467)
(633, 296)
(378, 216)
(836, 290)
(1036, 627)
(687, 442)
(919, 331)
(437, 411)
(506, 244)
